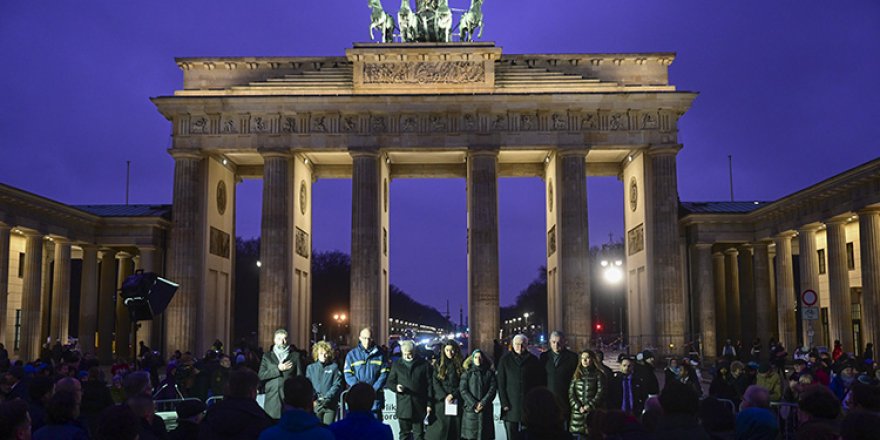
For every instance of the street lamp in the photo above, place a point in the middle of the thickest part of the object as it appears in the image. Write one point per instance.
(340, 319)
(612, 273)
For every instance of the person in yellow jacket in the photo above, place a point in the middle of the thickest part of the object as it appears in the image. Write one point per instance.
(769, 379)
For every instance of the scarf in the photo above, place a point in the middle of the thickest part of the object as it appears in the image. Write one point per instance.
(281, 353)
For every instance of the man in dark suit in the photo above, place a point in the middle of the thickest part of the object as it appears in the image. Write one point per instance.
(279, 363)
(626, 391)
(559, 364)
(518, 373)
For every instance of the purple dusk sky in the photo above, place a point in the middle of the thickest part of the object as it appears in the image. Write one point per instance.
(788, 87)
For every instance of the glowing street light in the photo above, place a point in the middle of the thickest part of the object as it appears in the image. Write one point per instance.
(612, 273)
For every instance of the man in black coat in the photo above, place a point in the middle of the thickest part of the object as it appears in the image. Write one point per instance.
(410, 379)
(559, 364)
(518, 373)
(238, 416)
(279, 363)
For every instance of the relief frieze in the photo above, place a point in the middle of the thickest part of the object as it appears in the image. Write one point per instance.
(425, 72)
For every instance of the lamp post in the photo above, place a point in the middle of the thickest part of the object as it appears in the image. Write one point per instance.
(340, 319)
(612, 273)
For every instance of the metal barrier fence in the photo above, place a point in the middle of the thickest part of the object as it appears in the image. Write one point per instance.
(787, 417)
(167, 410)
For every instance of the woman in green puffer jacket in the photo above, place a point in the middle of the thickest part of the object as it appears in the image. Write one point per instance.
(586, 392)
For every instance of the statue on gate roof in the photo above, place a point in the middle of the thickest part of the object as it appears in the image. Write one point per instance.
(431, 21)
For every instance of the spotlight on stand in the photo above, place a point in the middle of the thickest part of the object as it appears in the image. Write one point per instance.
(146, 295)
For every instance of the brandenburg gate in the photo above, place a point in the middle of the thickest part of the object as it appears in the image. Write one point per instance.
(422, 110)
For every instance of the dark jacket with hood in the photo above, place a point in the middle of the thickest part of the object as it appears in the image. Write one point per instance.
(234, 419)
(478, 385)
(299, 424)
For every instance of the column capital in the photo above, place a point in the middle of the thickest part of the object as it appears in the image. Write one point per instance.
(718, 254)
(663, 149)
(4, 226)
(483, 151)
(763, 244)
(275, 152)
(703, 245)
(745, 248)
(123, 254)
(731, 251)
(368, 152)
(107, 252)
(89, 246)
(868, 210)
(839, 219)
(59, 240)
(783, 235)
(572, 151)
(178, 153)
(812, 227)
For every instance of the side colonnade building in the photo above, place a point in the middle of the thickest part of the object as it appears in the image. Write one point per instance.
(749, 264)
(63, 264)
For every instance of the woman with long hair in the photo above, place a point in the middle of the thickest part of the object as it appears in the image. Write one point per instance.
(478, 387)
(586, 392)
(446, 381)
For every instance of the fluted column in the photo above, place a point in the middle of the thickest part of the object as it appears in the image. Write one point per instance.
(275, 244)
(573, 246)
(809, 269)
(763, 310)
(747, 294)
(705, 286)
(186, 254)
(840, 310)
(483, 287)
(88, 299)
(106, 306)
(366, 243)
(4, 280)
(31, 297)
(61, 292)
(146, 261)
(718, 278)
(731, 284)
(869, 242)
(664, 256)
(123, 320)
(785, 294)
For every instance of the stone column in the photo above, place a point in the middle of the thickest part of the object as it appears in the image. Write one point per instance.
(664, 256)
(809, 271)
(146, 261)
(705, 288)
(4, 280)
(573, 247)
(366, 243)
(763, 310)
(31, 296)
(869, 242)
(186, 254)
(106, 310)
(275, 244)
(731, 284)
(840, 310)
(718, 279)
(123, 320)
(785, 294)
(88, 299)
(61, 292)
(747, 294)
(46, 291)
(483, 290)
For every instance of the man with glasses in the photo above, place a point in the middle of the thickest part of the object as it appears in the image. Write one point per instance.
(367, 363)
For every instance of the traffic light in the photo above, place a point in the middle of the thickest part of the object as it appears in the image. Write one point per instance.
(598, 326)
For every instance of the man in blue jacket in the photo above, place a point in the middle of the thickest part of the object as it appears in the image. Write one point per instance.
(367, 363)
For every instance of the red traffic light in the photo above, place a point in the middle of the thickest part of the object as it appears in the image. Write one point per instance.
(598, 327)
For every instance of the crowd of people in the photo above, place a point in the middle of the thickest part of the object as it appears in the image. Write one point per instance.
(442, 395)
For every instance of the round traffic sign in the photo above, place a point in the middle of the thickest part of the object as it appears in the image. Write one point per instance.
(809, 298)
